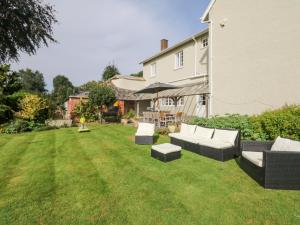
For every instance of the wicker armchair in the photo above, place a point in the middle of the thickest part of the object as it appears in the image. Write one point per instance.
(145, 134)
(278, 169)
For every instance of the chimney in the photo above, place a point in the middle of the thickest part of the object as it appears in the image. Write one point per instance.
(163, 44)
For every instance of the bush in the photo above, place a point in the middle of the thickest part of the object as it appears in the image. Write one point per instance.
(284, 122)
(242, 123)
(5, 114)
(19, 126)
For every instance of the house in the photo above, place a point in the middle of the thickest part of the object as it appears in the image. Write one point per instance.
(73, 101)
(125, 88)
(184, 65)
(254, 55)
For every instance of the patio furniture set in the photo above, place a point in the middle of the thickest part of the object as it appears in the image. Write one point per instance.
(274, 165)
(162, 118)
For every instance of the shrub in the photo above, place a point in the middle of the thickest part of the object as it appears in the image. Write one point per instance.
(19, 126)
(5, 114)
(242, 123)
(284, 122)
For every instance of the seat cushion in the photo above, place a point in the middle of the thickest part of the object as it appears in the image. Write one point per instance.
(214, 143)
(145, 129)
(284, 144)
(228, 136)
(166, 148)
(203, 132)
(254, 157)
(187, 130)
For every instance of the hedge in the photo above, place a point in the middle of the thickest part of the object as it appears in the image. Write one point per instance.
(284, 122)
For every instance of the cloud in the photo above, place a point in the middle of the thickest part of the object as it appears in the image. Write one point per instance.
(93, 33)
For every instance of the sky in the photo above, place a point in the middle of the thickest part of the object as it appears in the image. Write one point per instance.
(91, 34)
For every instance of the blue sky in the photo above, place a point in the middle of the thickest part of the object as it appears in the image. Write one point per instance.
(93, 33)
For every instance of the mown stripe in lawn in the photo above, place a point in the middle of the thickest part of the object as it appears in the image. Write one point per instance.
(134, 183)
(81, 190)
(30, 193)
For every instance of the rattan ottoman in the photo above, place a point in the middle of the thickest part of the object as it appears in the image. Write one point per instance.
(166, 152)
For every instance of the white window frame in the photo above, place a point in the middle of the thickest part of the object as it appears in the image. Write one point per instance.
(170, 102)
(180, 102)
(153, 69)
(205, 42)
(179, 60)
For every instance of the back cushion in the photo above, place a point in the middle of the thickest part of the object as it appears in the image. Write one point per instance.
(228, 136)
(187, 130)
(203, 132)
(284, 144)
(146, 128)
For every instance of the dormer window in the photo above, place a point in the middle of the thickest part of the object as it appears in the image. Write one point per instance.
(153, 70)
(179, 60)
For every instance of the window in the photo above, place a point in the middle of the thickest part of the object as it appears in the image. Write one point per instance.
(153, 69)
(202, 99)
(170, 102)
(167, 102)
(180, 101)
(179, 60)
(205, 42)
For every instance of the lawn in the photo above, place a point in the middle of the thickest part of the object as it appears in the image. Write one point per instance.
(63, 177)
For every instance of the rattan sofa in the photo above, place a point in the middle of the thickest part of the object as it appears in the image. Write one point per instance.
(197, 146)
(273, 169)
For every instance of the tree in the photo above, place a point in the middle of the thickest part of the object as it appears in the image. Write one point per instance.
(31, 107)
(25, 25)
(9, 81)
(62, 89)
(32, 81)
(109, 72)
(89, 86)
(102, 96)
(139, 74)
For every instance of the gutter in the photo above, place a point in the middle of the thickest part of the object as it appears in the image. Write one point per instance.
(196, 48)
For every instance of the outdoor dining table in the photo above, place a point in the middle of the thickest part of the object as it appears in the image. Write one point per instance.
(159, 118)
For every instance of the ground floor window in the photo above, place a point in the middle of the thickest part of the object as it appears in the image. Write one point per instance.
(170, 102)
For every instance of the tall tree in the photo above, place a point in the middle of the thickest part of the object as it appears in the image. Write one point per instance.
(89, 86)
(25, 25)
(9, 81)
(62, 89)
(109, 72)
(32, 81)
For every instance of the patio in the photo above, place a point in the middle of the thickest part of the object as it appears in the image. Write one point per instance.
(102, 177)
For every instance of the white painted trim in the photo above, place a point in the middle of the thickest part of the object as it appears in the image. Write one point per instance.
(206, 12)
(195, 59)
(152, 74)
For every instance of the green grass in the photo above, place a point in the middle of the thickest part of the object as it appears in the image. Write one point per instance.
(101, 177)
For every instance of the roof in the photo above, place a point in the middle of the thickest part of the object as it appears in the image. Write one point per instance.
(204, 17)
(80, 95)
(126, 77)
(184, 90)
(124, 94)
(175, 46)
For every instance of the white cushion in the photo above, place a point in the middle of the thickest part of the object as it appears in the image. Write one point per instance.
(225, 135)
(254, 157)
(284, 144)
(166, 148)
(203, 132)
(145, 129)
(215, 143)
(187, 130)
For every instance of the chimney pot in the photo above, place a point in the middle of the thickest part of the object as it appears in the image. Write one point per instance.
(163, 44)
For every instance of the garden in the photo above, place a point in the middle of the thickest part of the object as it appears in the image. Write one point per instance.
(102, 177)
